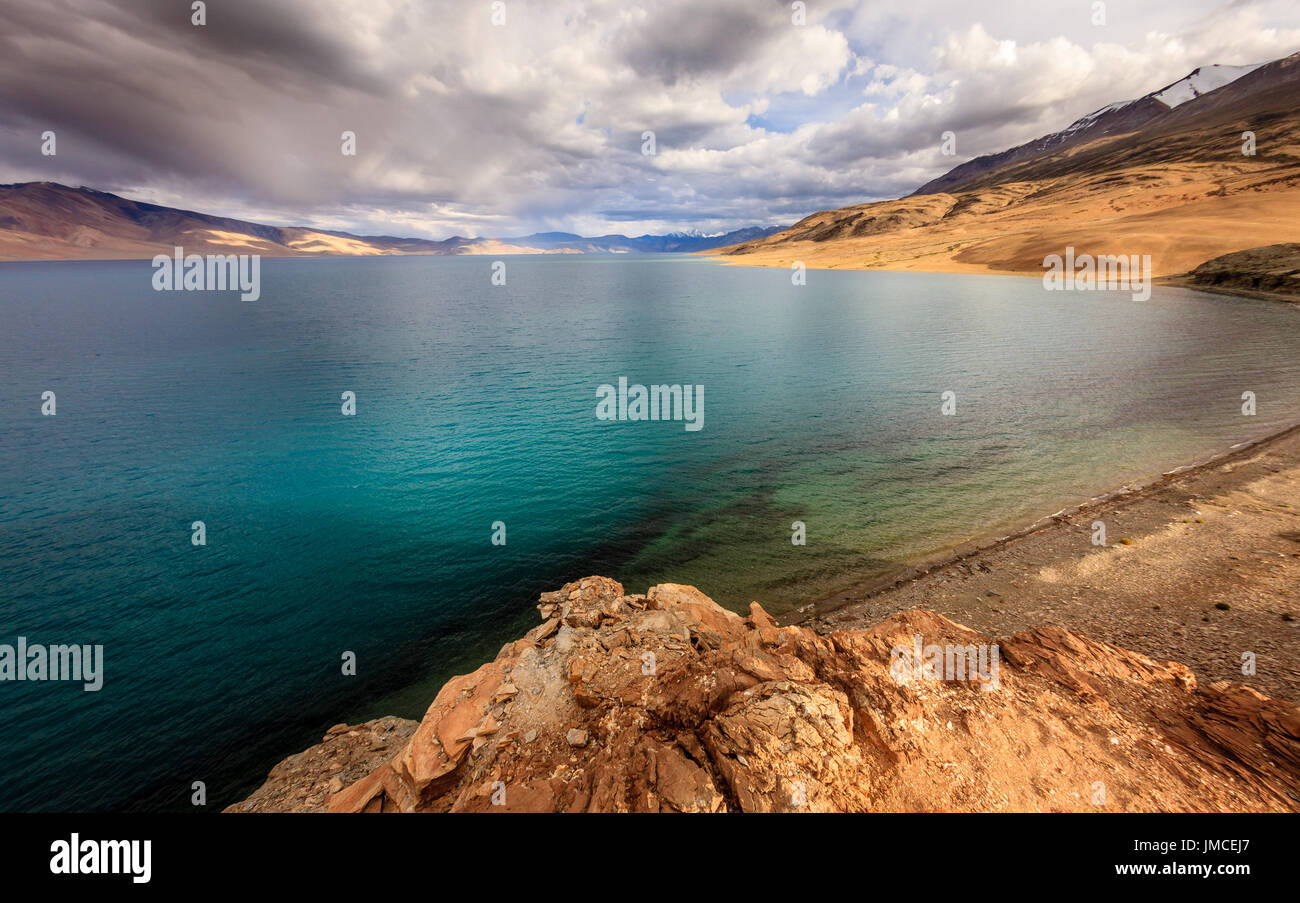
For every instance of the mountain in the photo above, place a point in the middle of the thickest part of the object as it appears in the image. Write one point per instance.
(1114, 119)
(673, 242)
(1163, 175)
(48, 221)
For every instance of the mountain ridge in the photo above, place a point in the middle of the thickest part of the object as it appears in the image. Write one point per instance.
(1143, 178)
(1116, 118)
(52, 221)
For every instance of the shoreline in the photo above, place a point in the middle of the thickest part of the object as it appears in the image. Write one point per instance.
(1134, 490)
(971, 269)
(1177, 280)
(1184, 281)
(1049, 572)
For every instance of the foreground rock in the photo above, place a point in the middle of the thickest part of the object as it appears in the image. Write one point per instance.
(666, 702)
(347, 753)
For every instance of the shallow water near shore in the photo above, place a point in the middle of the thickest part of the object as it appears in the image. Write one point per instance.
(476, 404)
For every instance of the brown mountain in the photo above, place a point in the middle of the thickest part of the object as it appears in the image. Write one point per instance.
(1120, 118)
(1134, 178)
(48, 221)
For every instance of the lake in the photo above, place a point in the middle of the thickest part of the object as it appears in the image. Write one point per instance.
(476, 415)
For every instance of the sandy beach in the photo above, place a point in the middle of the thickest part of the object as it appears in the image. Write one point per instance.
(1200, 566)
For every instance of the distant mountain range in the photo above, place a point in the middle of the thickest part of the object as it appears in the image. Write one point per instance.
(1206, 166)
(49, 221)
(687, 241)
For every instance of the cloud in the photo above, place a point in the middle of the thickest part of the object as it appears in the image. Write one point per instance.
(464, 126)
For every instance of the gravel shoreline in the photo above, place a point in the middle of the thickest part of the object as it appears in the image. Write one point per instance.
(1201, 566)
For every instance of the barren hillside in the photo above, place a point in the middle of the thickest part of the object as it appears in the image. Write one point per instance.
(1177, 187)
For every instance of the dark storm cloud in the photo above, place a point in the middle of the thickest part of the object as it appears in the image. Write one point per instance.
(138, 94)
(686, 39)
(290, 40)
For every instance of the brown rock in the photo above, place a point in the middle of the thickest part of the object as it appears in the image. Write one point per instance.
(345, 757)
(700, 710)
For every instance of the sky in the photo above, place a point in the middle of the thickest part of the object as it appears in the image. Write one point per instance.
(480, 119)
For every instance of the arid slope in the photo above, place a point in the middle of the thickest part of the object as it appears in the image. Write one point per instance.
(48, 221)
(1177, 188)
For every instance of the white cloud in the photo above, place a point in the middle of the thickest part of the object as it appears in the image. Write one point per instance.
(466, 127)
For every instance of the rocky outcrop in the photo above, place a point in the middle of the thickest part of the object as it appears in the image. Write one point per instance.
(347, 753)
(666, 702)
(1272, 270)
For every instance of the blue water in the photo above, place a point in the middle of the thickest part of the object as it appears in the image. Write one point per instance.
(475, 404)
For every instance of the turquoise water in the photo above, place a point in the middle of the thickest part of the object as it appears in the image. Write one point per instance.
(475, 404)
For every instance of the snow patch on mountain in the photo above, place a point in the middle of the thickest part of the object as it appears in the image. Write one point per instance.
(1202, 80)
(1088, 120)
